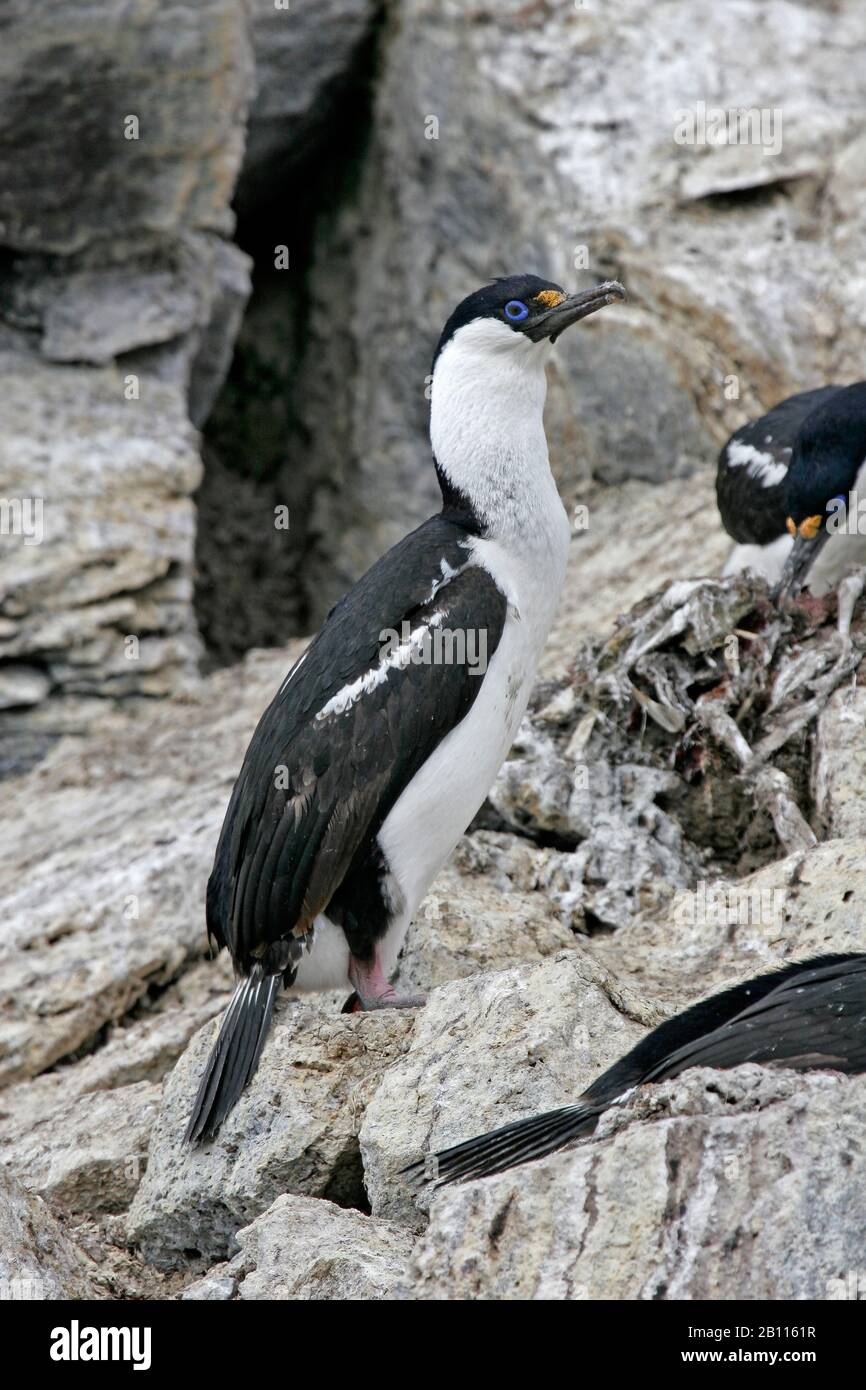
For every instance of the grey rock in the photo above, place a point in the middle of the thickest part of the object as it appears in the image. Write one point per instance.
(106, 849)
(306, 1248)
(217, 1286)
(807, 904)
(179, 172)
(89, 1153)
(185, 295)
(839, 765)
(708, 241)
(467, 925)
(22, 685)
(37, 1259)
(214, 343)
(303, 1248)
(116, 252)
(302, 59)
(295, 1129)
(718, 1185)
(104, 550)
(42, 1115)
(486, 1050)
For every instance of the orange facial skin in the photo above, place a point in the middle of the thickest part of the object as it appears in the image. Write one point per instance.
(808, 529)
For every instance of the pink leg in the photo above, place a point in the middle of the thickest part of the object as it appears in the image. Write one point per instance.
(374, 991)
(816, 609)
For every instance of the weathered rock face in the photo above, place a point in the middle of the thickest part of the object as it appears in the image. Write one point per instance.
(294, 1129)
(487, 1050)
(37, 1259)
(467, 925)
(839, 764)
(95, 922)
(810, 903)
(726, 313)
(718, 1185)
(95, 590)
(89, 1152)
(302, 58)
(179, 170)
(336, 1255)
(113, 214)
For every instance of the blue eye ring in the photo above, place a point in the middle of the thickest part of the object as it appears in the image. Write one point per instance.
(516, 310)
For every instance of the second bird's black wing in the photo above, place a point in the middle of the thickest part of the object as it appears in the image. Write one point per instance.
(750, 478)
(815, 1017)
(808, 1015)
(340, 741)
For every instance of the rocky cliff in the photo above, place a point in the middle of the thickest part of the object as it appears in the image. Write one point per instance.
(683, 805)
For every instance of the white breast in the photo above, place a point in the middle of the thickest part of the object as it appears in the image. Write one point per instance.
(767, 560)
(435, 809)
(487, 431)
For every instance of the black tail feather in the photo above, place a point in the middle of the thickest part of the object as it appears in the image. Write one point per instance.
(503, 1148)
(807, 1015)
(235, 1056)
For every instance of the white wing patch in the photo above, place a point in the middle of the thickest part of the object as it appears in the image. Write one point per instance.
(448, 573)
(762, 467)
(396, 660)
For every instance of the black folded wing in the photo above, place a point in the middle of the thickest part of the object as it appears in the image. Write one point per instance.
(814, 1017)
(342, 738)
(750, 480)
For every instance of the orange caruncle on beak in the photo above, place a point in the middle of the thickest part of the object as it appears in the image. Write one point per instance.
(550, 298)
(808, 529)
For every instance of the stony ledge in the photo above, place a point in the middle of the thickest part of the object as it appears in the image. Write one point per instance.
(653, 767)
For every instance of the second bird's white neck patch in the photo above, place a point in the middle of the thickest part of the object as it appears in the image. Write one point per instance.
(486, 423)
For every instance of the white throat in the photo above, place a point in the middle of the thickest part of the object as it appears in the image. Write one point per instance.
(487, 427)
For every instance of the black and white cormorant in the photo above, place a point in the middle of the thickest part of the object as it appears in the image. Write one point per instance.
(807, 1016)
(374, 756)
(779, 484)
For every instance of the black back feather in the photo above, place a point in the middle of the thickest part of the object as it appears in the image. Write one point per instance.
(752, 513)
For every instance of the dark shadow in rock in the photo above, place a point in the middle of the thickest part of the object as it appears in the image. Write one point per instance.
(261, 468)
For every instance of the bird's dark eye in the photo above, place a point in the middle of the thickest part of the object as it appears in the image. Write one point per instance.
(516, 310)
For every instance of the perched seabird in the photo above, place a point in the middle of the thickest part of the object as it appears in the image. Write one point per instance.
(807, 1016)
(779, 483)
(381, 744)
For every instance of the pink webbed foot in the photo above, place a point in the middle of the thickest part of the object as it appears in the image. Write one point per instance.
(817, 610)
(374, 991)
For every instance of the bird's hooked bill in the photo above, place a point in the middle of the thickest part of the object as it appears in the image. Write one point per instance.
(573, 307)
(809, 539)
